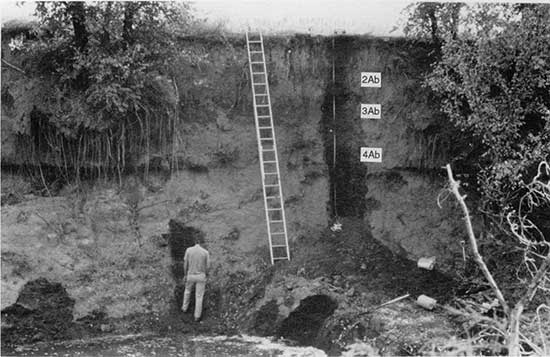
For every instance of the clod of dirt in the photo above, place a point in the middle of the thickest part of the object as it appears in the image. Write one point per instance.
(42, 311)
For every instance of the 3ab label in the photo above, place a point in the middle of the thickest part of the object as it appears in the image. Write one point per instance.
(371, 111)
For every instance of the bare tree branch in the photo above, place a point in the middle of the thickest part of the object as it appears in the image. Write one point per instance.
(473, 242)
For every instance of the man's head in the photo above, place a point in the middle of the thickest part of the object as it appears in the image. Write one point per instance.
(196, 239)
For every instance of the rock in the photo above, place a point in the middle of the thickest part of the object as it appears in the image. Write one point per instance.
(38, 336)
(350, 292)
(222, 121)
(85, 242)
(233, 235)
(106, 327)
(68, 228)
(363, 266)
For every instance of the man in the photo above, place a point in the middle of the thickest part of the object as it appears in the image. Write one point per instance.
(195, 270)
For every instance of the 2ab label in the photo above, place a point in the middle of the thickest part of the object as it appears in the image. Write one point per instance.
(371, 79)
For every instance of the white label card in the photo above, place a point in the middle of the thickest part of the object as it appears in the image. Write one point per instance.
(371, 111)
(371, 154)
(371, 79)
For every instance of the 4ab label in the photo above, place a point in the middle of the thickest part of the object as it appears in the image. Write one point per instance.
(371, 154)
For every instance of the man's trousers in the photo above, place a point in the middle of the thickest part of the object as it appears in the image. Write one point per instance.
(199, 282)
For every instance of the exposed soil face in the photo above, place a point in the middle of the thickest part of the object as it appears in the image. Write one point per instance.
(347, 174)
(125, 275)
(359, 268)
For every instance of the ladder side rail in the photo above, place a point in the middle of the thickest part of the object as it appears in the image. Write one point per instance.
(281, 200)
(258, 136)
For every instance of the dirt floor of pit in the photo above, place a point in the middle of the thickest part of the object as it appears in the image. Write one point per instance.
(353, 258)
(350, 259)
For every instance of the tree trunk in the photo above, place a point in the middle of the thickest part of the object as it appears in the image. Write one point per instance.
(78, 16)
(433, 25)
(513, 331)
(130, 9)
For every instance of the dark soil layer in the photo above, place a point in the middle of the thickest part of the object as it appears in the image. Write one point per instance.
(43, 311)
(339, 128)
(180, 238)
(304, 323)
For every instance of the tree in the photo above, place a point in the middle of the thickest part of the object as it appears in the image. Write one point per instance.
(492, 79)
(108, 67)
(505, 330)
(495, 85)
(433, 20)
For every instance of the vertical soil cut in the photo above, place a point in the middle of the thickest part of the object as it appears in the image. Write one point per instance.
(347, 174)
(180, 238)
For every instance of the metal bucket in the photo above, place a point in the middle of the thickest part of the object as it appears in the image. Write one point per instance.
(426, 302)
(426, 263)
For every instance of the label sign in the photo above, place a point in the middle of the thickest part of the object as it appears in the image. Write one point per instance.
(371, 79)
(371, 154)
(371, 111)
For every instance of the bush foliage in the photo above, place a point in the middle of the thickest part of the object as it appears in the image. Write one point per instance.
(108, 66)
(493, 80)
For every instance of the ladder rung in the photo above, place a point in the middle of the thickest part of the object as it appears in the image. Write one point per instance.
(262, 105)
(277, 233)
(270, 173)
(260, 95)
(264, 116)
(266, 138)
(278, 246)
(276, 221)
(259, 84)
(257, 62)
(277, 185)
(270, 197)
(265, 127)
(258, 72)
(256, 52)
(268, 149)
(254, 41)
(270, 162)
(274, 209)
(280, 258)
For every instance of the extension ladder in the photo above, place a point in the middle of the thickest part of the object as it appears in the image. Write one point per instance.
(267, 148)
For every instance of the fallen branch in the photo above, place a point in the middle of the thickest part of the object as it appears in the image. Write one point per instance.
(14, 67)
(152, 205)
(57, 230)
(384, 304)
